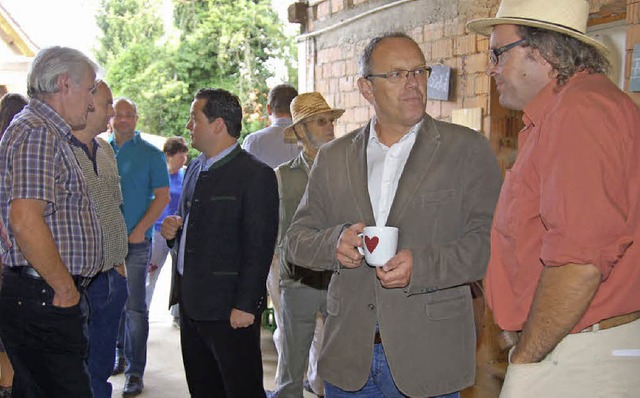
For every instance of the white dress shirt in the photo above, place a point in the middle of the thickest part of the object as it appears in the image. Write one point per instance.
(384, 168)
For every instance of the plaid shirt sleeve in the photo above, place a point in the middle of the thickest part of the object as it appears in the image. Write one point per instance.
(5, 243)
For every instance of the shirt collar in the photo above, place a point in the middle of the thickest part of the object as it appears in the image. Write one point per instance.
(207, 163)
(373, 134)
(49, 113)
(282, 121)
(535, 110)
(301, 162)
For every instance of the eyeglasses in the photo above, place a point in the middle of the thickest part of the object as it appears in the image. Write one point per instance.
(494, 53)
(321, 120)
(395, 76)
(124, 115)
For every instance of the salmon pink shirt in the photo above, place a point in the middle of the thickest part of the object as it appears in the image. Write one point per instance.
(572, 196)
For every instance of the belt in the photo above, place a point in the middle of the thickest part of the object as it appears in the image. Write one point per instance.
(507, 339)
(612, 322)
(81, 282)
(377, 339)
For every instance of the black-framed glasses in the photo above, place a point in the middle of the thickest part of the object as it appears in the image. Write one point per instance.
(395, 76)
(494, 53)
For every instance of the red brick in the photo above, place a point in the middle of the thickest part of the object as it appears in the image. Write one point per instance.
(479, 101)
(417, 34)
(463, 45)
(447, 107)
(482, 83)
(442, 49)
(337, 5)
(351, 99)
(323, 10)
(362, 114)
(352, 67)
(346, 83)
(453, 27)
(482, 44)
(426, 50)
(476, 63)
(338, 69)
(433, 108)
(323, 56)
(434, 31)
(468, 80)
(321, 85)
(333, 85)
(326, 71)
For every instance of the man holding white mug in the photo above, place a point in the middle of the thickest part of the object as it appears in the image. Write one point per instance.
(405, 328)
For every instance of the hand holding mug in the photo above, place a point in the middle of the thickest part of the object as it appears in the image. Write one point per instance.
(348, 244)
(396, 273)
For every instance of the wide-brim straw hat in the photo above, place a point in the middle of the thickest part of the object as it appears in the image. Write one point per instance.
(304, 106)
(564, 16)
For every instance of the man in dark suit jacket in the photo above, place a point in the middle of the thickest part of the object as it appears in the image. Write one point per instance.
(404, 329)
(225, 233)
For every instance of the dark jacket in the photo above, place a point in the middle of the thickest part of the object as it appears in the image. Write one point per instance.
(233, 223)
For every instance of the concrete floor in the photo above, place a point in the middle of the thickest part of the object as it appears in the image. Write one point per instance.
(164, 375)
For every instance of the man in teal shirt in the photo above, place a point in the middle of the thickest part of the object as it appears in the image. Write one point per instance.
(144, 180)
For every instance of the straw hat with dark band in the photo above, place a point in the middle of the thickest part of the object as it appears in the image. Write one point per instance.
(304, 106)
(564, 16)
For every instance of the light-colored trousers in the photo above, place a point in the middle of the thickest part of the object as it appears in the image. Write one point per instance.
(605, 363)
(273, 287)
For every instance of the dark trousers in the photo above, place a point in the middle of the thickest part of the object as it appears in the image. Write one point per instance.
(220, 361)
(47, 345)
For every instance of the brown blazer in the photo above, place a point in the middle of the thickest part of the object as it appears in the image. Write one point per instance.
(443, 208)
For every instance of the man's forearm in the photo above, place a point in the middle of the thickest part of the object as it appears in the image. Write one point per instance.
(36, 243)
(153, 212)
(561, 299)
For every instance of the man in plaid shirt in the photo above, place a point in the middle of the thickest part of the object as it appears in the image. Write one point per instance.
(56, 241)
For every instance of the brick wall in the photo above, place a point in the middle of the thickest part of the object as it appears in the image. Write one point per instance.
(443, 39)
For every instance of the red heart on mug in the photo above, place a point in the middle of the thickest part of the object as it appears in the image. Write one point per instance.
(371, 243)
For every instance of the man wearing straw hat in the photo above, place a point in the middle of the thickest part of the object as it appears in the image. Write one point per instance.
(563, 276)
(405, 328)
(303, 292)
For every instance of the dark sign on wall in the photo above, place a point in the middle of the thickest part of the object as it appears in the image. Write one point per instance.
(438, 84)
(634, 80)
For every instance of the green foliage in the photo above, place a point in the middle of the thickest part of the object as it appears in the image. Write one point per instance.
(217, 43)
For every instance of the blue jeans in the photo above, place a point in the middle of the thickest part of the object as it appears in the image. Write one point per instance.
(379, 384)
(107, 294)
(134, 327)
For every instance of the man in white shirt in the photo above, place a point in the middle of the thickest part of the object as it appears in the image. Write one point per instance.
(404, 329)
(268, 144)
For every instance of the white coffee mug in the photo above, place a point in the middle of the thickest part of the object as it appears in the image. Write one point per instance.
(379, 245)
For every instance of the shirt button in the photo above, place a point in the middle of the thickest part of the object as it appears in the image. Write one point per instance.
(371, 307)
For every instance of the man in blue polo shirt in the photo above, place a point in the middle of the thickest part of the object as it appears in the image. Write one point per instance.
(144, 180)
